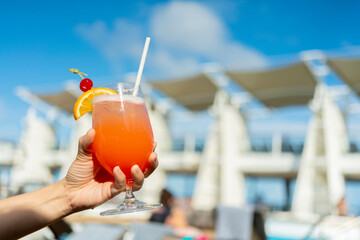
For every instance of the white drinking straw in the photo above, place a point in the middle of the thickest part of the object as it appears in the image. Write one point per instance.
(120, 89)
(141, 67)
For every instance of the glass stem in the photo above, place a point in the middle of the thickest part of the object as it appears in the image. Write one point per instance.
(130, 202)
(129, 195)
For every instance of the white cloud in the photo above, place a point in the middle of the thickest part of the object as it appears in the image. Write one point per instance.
(194, 28)
(184, 35)
(121, 43)
(187, 25)
(164, 61)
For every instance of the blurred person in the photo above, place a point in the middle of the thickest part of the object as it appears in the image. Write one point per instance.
(342, 207)
(86, 185)
(161, 214)
(173, 216)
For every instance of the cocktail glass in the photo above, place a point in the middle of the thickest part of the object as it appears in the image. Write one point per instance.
(123, 137)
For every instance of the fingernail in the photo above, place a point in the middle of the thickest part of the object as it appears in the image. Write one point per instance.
(138, 170)
(89, 131)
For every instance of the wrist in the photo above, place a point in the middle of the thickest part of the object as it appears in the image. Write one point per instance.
(61, 200)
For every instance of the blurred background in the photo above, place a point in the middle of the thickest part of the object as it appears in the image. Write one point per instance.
(254, 105)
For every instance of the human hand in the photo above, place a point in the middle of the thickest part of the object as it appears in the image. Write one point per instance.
(89, 185)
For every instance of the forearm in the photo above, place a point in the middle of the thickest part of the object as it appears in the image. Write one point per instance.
(26, 213)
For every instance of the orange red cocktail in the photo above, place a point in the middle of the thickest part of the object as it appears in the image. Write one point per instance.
(124, 135)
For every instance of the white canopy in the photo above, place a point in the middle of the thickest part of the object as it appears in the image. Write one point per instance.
(195, 93)
(291, 85)
(64, 100)
(348, 70)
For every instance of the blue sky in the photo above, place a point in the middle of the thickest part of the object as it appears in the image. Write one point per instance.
(41, 39)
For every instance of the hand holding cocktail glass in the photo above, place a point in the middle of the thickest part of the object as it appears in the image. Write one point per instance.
(89, 185)
(123, 134)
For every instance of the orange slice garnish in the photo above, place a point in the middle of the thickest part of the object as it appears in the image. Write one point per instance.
(84, 105)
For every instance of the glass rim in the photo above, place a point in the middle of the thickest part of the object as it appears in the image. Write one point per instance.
(121, 87)
(125, 86)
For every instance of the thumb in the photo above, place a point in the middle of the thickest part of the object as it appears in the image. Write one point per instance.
(86, 141)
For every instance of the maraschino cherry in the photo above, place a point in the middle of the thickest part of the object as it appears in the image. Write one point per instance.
(86, 84)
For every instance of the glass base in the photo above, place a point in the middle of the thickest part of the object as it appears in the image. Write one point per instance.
(130, 206)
